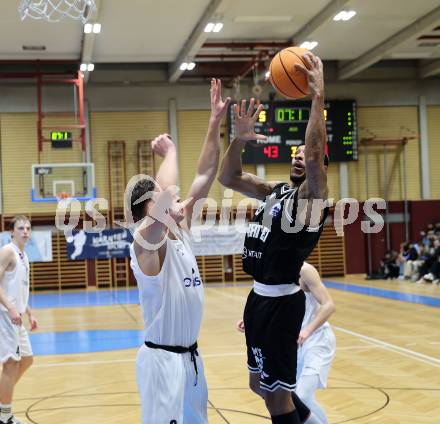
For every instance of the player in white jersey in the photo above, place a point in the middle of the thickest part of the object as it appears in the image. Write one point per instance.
(316, 345)
(15, 348)
(170, 374)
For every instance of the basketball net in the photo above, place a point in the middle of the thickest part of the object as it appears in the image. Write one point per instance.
(56, 10)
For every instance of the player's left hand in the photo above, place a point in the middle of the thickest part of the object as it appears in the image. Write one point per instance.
(245, 120)
(33, 322)
(219, 107)
(303, 336)
(240, 326)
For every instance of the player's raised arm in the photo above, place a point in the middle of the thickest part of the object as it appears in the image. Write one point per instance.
(207, 165)
(164, 146)
(231, 170)
(315, 186)
(154, 203)
(313, 283)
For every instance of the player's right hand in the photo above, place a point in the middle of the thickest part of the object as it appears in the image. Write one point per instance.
(314, 73)
(162, 144)
(15, 317)
(240, 326)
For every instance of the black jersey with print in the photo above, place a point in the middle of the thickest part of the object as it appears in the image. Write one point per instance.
(276, 244)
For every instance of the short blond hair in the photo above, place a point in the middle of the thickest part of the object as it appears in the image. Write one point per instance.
(16, 219)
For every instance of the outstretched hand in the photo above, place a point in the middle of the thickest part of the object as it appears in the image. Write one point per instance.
(314, 73)
(245, 121)
(219, 107)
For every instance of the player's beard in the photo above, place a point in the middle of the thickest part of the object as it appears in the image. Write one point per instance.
(297, 179)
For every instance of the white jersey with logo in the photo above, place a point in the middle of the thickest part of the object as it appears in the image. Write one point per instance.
(14, 340)
(172, 309)
(15, 283)
(315, 356)
(172, 301)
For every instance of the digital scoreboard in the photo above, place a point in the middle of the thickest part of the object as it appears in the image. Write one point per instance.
(61, 139)
(284, 123)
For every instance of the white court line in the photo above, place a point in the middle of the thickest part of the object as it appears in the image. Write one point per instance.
(368, 346)
(416, 356)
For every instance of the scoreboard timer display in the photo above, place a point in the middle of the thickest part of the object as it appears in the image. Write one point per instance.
(284, 123)
(61, 139)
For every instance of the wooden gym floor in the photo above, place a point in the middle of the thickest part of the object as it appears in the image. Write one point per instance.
(387, 366)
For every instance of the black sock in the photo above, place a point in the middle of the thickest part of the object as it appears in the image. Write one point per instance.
(301, 408)
(290, 418)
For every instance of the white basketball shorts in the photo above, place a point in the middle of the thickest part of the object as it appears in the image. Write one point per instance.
(14, 340)
(316, 355)
(166, 388)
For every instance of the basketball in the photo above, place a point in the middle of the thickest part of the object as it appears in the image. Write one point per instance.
(287, 81)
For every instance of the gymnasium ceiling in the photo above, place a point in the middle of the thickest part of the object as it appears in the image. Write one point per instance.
(149, 36)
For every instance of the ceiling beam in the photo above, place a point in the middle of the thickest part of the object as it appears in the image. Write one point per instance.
(88, 42)
(195, 41)
(417, 28)
(321, 18)
(429, 69)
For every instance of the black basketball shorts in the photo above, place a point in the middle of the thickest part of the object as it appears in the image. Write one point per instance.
(272, 327)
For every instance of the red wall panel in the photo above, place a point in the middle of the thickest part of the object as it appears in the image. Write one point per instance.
(421, 213)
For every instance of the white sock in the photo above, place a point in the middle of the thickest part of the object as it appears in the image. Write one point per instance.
(5, 412)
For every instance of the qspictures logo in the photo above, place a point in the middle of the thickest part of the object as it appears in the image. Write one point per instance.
(346, 211)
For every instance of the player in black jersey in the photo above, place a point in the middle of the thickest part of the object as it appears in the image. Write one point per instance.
(282, 234)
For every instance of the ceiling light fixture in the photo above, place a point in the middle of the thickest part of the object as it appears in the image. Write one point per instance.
(187, 66)
(344, 15)
(88, 28)
(213, 27)
(309, 45)
(96, 28)
(209, 27)
(87, 67)
(217, 27)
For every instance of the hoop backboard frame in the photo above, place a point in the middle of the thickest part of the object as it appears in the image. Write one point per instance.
(89, 183)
